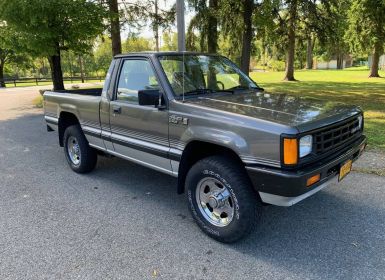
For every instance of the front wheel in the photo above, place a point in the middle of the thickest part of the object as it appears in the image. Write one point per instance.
(80, 156)
(221, 199)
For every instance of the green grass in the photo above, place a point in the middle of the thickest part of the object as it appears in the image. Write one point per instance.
(38, 101)
(350, 86)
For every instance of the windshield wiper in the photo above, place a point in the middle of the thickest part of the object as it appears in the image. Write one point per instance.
(246, 88)
(199, 91)
(232, 90)
(224, 90)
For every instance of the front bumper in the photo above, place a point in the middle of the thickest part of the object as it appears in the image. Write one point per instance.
(287, 187)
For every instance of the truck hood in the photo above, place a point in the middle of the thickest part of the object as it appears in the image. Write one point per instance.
(294, 111)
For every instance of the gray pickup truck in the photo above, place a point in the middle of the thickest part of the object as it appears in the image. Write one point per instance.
(232, 146)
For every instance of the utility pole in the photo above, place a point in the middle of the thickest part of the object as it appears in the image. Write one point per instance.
(180, 25)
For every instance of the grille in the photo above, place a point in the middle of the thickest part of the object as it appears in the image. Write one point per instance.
(335, 136)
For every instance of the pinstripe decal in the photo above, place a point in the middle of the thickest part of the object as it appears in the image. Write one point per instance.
(144, 146)
(256, 160)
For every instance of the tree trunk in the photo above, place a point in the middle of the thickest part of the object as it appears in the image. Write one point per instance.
(2, 82)
(202, 43)
(340, 61)
(247, 35)
(375, 61)
(212, 34)
(56, 72)
(80, 59)
(115, 27)
(289, 73)
(309, 53)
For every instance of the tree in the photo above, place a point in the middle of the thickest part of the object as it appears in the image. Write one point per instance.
(247, 13)
(367, 30)
(10, 50)
(116, 41)
(137, 44)
(289, 15)
(170, 41)
(292, 20)
(103, 53)
(234, 18)
(159, 18)
(137, 14)
(206, 23)
(46, 28)
(212, 27)
(330, 28)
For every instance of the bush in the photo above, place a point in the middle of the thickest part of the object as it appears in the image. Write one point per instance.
(38, 101)
(276, 65)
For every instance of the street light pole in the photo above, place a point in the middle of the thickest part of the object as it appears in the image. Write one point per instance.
(180, 25)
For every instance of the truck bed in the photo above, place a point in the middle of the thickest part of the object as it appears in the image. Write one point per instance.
(81, 103)
(86, 91)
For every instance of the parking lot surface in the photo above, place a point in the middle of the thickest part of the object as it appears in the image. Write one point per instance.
(124, 221)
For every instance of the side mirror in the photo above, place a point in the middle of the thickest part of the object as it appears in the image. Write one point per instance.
(148, 97)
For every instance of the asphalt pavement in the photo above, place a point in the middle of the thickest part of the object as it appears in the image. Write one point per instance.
(124, 221)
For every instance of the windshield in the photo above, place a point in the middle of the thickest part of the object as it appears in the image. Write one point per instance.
(202, 74)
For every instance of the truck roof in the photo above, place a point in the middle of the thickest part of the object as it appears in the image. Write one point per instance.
(154, 53)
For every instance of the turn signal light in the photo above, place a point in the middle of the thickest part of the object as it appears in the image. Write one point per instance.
(313, 179)
(290, 151)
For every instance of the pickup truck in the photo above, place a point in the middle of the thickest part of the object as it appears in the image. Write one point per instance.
(232, 146)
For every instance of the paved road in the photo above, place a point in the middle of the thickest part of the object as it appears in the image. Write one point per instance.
(124, 221)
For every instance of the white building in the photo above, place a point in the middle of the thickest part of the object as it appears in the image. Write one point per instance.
(381, 64)
(332, 64)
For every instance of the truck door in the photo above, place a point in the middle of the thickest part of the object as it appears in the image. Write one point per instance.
(138, 133)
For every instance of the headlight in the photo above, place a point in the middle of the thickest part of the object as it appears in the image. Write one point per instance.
(359, 118)
(305, 145)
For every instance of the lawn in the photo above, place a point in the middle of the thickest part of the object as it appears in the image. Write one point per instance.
(350, 86)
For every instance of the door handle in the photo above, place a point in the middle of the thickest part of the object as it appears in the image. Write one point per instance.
(117, 109)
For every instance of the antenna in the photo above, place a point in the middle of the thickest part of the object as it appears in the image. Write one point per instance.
(183, 66)
(181, 34)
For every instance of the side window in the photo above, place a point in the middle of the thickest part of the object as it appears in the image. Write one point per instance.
(135, 75)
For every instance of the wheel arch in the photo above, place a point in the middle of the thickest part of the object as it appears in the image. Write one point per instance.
(197, 150)
(65, 120)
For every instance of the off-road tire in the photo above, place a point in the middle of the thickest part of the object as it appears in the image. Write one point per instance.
(247, 205)
(88, 155)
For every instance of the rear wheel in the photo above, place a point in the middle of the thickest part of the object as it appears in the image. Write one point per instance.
(80, 156)
(221, 199)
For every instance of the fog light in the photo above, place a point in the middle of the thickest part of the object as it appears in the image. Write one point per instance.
(313, 179)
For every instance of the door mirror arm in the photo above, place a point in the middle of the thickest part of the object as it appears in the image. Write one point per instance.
(153, 97)
(161, 106)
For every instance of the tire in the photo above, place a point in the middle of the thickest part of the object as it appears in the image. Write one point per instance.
(80, 156)
(235, 211)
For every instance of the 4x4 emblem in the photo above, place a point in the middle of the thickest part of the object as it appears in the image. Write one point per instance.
(178, 119)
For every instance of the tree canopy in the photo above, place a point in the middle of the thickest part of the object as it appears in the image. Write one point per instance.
(10, 50)
(366, 29)
(45, 28)
(275, 34)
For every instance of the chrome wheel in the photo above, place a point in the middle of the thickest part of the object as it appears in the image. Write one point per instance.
(73, 150)
(215, 202)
